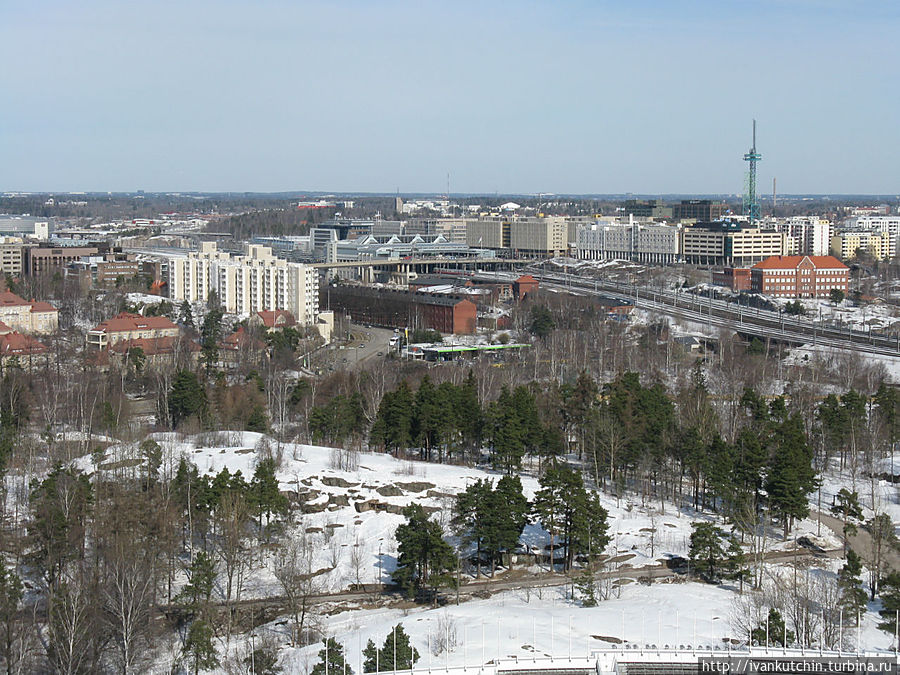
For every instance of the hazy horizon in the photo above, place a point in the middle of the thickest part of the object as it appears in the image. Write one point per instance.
(571, 98)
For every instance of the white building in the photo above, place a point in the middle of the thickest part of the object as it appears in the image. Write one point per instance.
(806, 235)
(247, 283)
(646, 242)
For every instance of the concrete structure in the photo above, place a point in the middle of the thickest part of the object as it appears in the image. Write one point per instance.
(245, 284)
(18, 348)
(12, 258)
(539, 237)
(645, 242)
(28, 317)
(41, 259)
(130, 327)
(650, 208)
(728, 244)
(26, 226)
(799, 276)
(846, 244)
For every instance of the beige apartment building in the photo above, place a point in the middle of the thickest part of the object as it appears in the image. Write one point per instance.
(877, 244)
(245, 284)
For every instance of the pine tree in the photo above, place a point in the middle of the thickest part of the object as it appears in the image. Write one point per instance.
(185, 315)
(397, 652)
(791, 477)
(201, 579)
(187, 397)
(853, 597)
(371, 662)
(777, 634)
(424, 559)
(707, 553)
(889, 593)
(264, 492)
(199, 650)
(331, 659)
(849, 509)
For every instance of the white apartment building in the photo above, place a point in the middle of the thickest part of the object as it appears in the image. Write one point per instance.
(245, 284)
(806, 235)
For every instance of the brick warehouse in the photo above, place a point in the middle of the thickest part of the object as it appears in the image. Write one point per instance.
(401, 309)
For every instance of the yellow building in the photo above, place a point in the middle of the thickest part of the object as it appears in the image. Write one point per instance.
(846, 244)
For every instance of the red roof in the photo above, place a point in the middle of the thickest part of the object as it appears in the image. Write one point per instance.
(240, 339)
(16, 344)
(277, 318)
(791, 262)
(4, 328)
(42, 307)
(10, 299)
(126, 322)
(153, 346)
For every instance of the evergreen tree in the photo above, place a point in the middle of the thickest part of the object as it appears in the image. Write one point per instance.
(264, 492)
(777, 634)
(201, 579)
(199, 650)
(258, 420)
(331, 659)
(849, 509)
(791, 477)
(392, 429)
(10, 594)
(889, 593)
(707, 553)
(887, 403)
(542, 323)
(371, 662)
(185, 315)
(853, 597)
(424, 559)
(187, 398)
(397, 652)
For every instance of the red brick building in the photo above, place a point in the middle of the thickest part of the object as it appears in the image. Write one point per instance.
(735, 278)
(799, 276)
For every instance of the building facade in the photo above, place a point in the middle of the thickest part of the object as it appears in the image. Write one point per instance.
(27, 317)
(130, 327)
(645, 242)
(245, 284)
(846, 244)
(799, 276)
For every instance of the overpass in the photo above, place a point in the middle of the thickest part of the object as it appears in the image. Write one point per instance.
(402, 270)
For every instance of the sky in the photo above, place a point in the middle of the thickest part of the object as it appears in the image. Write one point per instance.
(573, 97)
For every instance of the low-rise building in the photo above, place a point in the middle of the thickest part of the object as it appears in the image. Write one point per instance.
(28, 316)
(799, 276)
(18, 347)
(735, 278)
(127, 326)
(403, 309)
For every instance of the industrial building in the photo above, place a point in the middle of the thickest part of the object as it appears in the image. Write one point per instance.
(401, 309)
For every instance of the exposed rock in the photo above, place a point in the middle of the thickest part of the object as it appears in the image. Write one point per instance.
(337, 481)
(389, 491)
(416, 486)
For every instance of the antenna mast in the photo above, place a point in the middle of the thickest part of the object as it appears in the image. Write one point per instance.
(751, 202)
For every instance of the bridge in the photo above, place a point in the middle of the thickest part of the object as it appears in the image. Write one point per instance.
(403, 270)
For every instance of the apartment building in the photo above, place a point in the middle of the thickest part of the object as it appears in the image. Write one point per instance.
(806, 235)
(799, 276)
(129, 327)
(846, 244)
(872, 222)
(245, 284)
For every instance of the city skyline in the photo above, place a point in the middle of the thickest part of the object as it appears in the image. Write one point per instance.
(568, 98)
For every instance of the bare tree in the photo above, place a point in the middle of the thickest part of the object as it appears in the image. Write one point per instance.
(299, 583)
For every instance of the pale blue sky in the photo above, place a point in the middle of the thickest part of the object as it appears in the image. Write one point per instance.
(644, 96)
